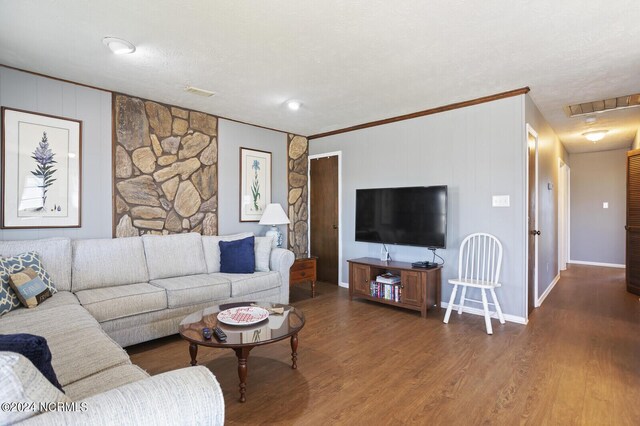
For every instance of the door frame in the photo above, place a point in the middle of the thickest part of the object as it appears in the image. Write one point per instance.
(564, 214)
(529, 130)
(324, 155)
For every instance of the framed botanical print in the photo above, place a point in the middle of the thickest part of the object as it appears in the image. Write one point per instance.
(41, 170)
(255, 183)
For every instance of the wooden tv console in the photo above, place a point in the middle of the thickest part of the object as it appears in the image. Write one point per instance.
(420, 287)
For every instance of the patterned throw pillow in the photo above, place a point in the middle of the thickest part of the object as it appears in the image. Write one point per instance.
(29, 288)
(11, 265)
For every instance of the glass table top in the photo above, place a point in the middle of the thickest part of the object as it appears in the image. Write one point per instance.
(275, 327)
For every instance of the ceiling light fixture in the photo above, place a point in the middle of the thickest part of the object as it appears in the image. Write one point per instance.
(294, 105)
(590, 120)
(199, 92)
(118, 45)
(595, 135)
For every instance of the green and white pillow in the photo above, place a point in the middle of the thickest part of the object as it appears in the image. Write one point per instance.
(262, 248)
(12, 265)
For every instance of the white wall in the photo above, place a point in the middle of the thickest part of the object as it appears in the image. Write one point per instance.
(232, 136)
(636, 141)
(597, 234)
(477, 151)
(38, 94)
(549, 150)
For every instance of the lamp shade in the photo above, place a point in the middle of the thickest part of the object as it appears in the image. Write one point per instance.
(274, 215)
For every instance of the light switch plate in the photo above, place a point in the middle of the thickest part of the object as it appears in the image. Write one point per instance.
(500, 201)
(605, 205)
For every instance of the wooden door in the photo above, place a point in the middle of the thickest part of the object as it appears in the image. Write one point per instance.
(633, 222)
(324, 217)
(532, 143)
(411, 288)
(361, 280)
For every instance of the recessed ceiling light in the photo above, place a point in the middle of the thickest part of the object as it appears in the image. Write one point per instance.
(595, 136)
(294, 105)
(118, 45)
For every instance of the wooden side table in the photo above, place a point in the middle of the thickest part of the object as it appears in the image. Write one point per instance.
(304, 270)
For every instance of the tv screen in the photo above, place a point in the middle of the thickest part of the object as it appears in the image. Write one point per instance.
(412, 216)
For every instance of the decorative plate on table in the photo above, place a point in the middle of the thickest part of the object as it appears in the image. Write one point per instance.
(244, 315)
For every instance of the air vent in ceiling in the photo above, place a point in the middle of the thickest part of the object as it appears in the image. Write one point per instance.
(604, 105)
(199, 92)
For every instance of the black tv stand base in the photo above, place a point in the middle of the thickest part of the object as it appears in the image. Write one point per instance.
(424, 265)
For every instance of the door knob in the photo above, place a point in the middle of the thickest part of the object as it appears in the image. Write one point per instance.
(335, 226)
(534, 232)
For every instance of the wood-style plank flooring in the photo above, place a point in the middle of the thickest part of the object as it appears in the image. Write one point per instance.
(576, 362)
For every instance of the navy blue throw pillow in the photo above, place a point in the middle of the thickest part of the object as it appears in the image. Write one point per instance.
(237, 257)
(35, 349)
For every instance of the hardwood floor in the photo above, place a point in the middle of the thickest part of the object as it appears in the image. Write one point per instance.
(576, 362)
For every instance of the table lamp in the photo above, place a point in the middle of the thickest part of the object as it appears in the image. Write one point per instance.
(274, 215)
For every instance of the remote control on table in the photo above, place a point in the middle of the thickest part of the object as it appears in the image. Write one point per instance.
(220, 335)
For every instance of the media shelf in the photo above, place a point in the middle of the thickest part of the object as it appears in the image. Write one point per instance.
(420, 287)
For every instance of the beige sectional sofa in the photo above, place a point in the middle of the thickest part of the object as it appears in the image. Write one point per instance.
(119, 292)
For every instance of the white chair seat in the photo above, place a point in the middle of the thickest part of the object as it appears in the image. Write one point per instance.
(475, 283)
(479, 264)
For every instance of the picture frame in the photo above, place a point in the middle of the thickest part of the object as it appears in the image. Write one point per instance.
(41, 170)
(255, 183)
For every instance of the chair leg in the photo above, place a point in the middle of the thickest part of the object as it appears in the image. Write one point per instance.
(487, 318)
(498, 309)
(451, 300)
(462, 296)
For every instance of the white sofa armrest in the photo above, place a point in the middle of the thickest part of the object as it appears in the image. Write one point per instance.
(189, 396)
(281, 261)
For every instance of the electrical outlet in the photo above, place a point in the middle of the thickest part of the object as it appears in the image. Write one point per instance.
(500, 201)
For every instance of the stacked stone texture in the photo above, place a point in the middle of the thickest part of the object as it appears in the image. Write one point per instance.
(166, 169)
(298, 154)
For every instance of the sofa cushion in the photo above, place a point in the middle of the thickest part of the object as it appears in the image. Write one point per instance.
(61, 298)
(35, 349)
(104, 381)
(237, 257)
(174, 255)
(262, 247)
(55, 254)
(29, 288)
(70, 330)
(243, 284)
(210, 244)
(22, 382)
(121, 301)
(108, 262)
(194, 289)
(10, 265)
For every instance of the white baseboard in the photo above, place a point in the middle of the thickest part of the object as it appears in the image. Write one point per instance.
(476, 311)
(345, 285)
(609, 265)
(548, 290)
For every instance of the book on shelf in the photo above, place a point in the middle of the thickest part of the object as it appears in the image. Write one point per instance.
(391, 292)
(388, 278)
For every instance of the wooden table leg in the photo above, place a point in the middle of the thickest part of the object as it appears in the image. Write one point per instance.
(313, 289)
(294, 351)
(243, 355)
(193, 351)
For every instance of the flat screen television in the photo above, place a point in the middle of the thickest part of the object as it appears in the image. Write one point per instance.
(411, 216)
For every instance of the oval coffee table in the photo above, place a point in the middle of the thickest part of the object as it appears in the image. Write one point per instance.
(243, 338)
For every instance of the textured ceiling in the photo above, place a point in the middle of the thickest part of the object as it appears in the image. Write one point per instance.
(349, 62)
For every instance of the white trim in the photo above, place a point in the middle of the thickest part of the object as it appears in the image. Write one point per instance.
(529, 130)
(343, 284)
(608, 265)
(480, 312)
(323, 155)
(548, 290)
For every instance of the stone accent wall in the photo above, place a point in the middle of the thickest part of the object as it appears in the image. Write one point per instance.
(165, 169)
(298, 152)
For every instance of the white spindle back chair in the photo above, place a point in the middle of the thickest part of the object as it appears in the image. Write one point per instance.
(479, 263)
